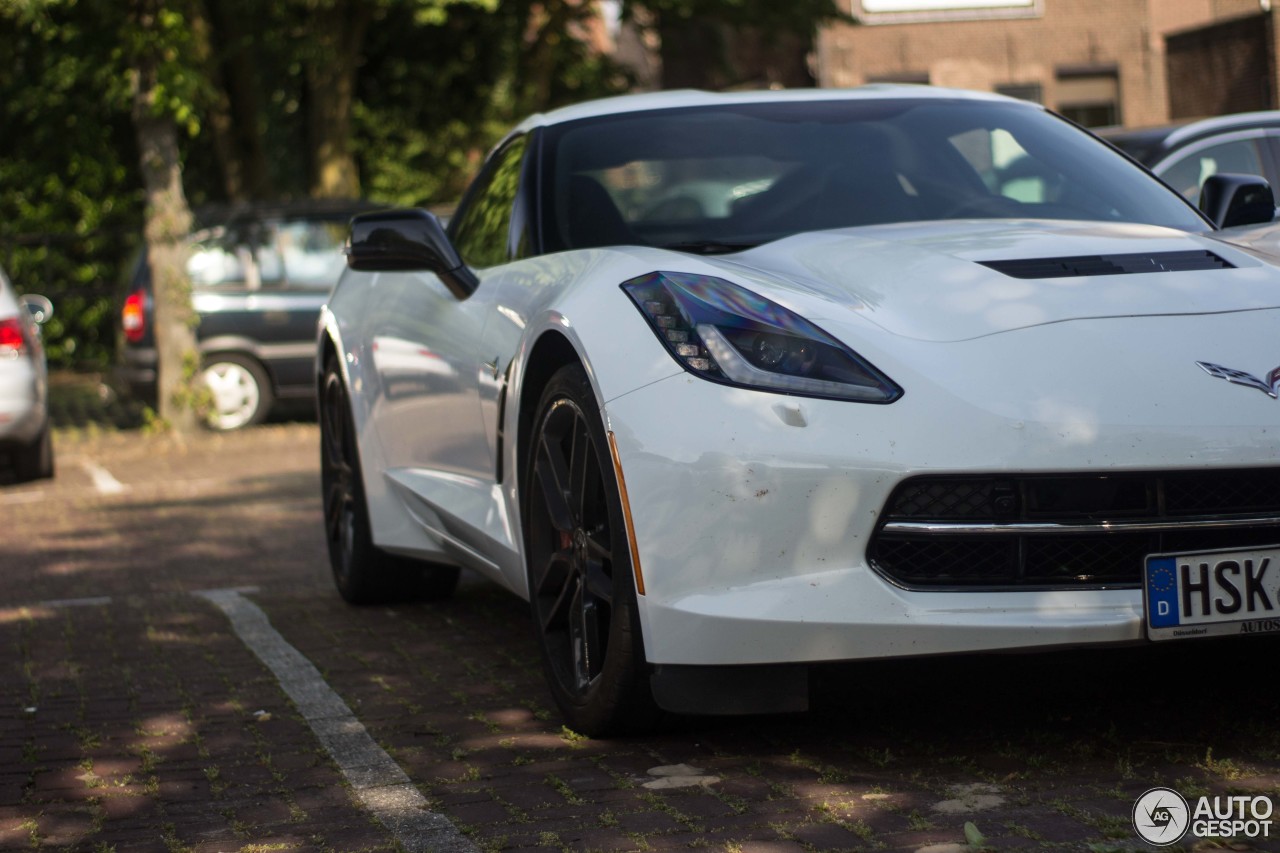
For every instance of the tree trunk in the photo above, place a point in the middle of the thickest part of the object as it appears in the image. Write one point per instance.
(338, 31)
(548, 23)
(236, 119)
(167, 224)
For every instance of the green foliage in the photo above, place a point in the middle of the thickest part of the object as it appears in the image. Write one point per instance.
(69, 199)
(440, 82)
(166, 40)
(797, 16)
(434, 100)
(435, 12)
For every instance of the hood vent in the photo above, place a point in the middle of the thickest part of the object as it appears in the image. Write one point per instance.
(1141, 262)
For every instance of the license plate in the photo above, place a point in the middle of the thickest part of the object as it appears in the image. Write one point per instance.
(1213, 593)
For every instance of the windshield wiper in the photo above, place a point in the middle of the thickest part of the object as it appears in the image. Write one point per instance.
(709, 247)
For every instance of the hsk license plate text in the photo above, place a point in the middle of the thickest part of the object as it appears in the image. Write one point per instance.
(1213, 593)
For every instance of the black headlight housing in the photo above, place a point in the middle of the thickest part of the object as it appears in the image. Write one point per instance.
(728, 334)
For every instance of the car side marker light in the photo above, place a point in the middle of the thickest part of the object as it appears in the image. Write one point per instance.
(626, 514)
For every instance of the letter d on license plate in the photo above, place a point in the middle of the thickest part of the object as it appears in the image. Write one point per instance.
(1212, 593)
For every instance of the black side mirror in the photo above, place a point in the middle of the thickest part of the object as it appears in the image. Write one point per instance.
(408, 240)
(1231, 200)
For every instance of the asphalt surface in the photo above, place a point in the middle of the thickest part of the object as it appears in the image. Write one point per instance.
(178, 674)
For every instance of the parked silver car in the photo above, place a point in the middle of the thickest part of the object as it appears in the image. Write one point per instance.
(1185, 155)
(26, 447)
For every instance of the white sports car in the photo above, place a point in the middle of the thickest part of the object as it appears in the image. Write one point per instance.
(934, 372)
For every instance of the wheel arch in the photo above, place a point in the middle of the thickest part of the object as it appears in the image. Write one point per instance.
(552, 351)
(327, 350)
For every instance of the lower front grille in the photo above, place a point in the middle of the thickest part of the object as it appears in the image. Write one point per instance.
(1002, 532)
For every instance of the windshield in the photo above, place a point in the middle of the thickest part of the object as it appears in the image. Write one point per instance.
(722, 178)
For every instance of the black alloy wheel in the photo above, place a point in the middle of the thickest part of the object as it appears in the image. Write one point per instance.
(581, 590)
(343, 497)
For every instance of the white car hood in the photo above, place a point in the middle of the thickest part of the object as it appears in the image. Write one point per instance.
(926, 281)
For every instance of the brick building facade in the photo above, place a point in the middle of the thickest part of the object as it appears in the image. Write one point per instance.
(1225, 67)
(1100, 62)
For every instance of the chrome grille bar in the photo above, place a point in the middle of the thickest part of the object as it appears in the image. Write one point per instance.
(945, 528)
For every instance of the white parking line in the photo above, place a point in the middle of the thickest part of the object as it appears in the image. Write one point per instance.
(77, 602)
(378, 782)
(102, 479)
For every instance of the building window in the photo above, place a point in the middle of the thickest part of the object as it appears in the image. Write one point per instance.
(921, 77)
(921, 11)
(1089, 97)
(1033, 92)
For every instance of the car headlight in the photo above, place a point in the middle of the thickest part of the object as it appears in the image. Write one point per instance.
(727, 334)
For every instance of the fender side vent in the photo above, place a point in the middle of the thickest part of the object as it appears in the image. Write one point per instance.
(1141, 262)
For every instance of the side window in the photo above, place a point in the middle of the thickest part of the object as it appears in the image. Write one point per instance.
(304, 254)
(1188, 173)
(481, 230)
(214, 260)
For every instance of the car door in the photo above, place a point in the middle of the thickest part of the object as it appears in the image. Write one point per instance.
(424, 345)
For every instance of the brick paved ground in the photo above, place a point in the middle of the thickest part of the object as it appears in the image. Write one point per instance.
(141, 722)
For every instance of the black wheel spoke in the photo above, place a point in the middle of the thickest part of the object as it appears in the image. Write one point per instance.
(335, 425)
(558, 616)
(335, 507)
(599, 584)
(553, 479)
(552, 575)
(598, 546)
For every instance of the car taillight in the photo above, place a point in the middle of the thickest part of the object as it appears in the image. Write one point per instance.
(12, 341)
(133, 317)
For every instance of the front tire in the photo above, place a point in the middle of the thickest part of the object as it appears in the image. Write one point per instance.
(35, 461)
(240, 390)
(581, 589)
(363, 573)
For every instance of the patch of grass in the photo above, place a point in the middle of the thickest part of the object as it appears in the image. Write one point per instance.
(571, 737)
(171, 841)
(562, 788)
(737, 805)
(489, 724)
(32, 829)
(662, 804)
(1189, 787)
(1222, 767)
(1022, 831)
(863, 830)
(881, 758)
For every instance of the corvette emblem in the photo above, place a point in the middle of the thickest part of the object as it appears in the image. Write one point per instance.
(1239, 377)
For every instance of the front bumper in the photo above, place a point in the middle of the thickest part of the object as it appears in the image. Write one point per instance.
(753, 513)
